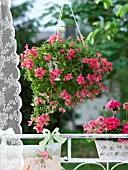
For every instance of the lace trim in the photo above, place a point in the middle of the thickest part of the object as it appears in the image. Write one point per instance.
(10, 102)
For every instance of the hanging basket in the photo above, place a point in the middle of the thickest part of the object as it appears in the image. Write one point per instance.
(79, 69)
(32, 161)
(111, 150)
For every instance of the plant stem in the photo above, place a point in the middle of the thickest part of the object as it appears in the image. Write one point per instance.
(113, 114)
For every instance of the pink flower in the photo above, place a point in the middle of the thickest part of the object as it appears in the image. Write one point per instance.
(43, 119)
(52, 83)
(67, 97)
(30, 123)
(32, 52)
(95, 126)
(82, 99)
(94, 63)
(122, 141)
(61, 50)
(98, 65)
(78, 39)
(26, 46)
(71, 54)
(80, 79)
(111, 123)
(44, 154)
(28, 63)
(55, 73)
(79, 50)
(48, 57)
(54, 38)
(69, 57)
(106, 66)
(68, 77)
(37, 100)
(72, 43)
(125, 129)
(58, 37)
(125, 106)
(39, 72)
(62, 110)
(83, 93)
(100, 120)
(64, 92)
(42, 101)
(99, 54)
(47, 118)
(41, 122)
(34, 119)
(43, 94)
(38, 128)
(113, 105)
(53, 107)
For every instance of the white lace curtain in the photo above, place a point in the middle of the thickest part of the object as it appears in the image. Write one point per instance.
(10, 102)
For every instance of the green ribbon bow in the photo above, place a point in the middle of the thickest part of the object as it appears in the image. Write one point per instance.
(50, 137)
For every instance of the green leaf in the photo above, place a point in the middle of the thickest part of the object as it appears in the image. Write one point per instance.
(108, 36)
(50, 157)
(98, 1)
(122, 10)
(39, 155)
(92, 39)
(88, 37)
(107, 3)
(96, 23)
(42, 161)
(118, 11)
(96, 31)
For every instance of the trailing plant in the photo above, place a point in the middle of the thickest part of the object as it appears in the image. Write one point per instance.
(62, 72)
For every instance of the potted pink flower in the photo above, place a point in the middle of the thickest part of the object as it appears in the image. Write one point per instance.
(110, 148)
(62, 72)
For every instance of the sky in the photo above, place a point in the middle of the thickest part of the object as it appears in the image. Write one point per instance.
(38, 8)
(38, 5)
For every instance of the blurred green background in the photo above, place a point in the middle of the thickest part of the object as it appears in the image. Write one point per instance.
(108, 24)
(105, 31)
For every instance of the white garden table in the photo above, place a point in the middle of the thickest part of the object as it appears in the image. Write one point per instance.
(82, 161)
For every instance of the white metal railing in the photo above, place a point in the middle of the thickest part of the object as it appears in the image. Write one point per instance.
(81, 161)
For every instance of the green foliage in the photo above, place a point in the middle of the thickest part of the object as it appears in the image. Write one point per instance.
(59, 58)
(26, 29)
(19, 11)
(106, 3)
(86, 13)
(42, 161)
(109, 29)
(122, 10)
